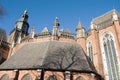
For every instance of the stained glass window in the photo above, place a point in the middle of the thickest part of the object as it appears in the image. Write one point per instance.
(79, 78)
(4, 77)
(111, 57)
(89, 51)
(52, 77)
(26, 77)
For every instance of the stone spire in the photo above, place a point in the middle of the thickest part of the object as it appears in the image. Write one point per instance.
(56, 27)
(56, 23)
(80, 30)
(79, 26)
(24, 16)
(25, 12)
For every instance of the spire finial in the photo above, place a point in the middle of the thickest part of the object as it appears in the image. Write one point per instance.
(56, 23)
(79, 25)
(25, 12)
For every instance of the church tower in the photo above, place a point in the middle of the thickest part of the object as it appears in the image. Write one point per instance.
(20, 30)
(80, 35)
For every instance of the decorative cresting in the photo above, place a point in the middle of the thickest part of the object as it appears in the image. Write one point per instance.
(5, 77)
(27, 77)
(90, 51)
(52, 77)
(80, 78)
(111, 57)
(45, 32)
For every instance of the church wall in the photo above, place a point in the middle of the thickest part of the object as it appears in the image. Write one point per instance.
(94, 39)
(117, 27)
(82, 42)
(60, 75)
(110, 30)
(66, 39)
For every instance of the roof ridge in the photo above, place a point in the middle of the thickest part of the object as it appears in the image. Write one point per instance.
(106, 13)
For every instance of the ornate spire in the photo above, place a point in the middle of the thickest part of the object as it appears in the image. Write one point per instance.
(25, 12)
(56, 23)
(79, 26)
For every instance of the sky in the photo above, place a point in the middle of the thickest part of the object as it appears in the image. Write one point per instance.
(42, 13)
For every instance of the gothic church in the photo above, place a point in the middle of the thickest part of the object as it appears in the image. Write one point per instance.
(58, 54)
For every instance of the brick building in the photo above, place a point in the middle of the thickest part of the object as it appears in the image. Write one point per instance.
(59, 54)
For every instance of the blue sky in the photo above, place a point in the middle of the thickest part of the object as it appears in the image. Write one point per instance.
(43, 12)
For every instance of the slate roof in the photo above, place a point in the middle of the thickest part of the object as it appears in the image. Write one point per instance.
(105, 17)
(49, 55)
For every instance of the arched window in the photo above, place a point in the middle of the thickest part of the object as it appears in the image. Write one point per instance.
(90, 51)
(52, 77)
(4, 77)
(111, 57)
(26, 77)
(79, 78)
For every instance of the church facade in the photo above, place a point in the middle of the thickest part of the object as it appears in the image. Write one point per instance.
(58, 54)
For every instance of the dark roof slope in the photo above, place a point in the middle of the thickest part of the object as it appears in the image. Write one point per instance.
(49, 55)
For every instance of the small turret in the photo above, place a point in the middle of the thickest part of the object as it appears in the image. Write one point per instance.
(56, 23)
(55, 29)
(93, 26)
(32, 32)
(114, 16)
(80, 35)
(80, 30)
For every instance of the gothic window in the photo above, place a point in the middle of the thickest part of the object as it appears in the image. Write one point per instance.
(111, 57)
(4, 77)
(26, 77)
(52, 77)
(79, 78)
(90, 51)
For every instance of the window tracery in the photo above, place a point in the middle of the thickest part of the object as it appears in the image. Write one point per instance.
(52, 77)
(27, 77)
(90, 51)
(111, 57)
